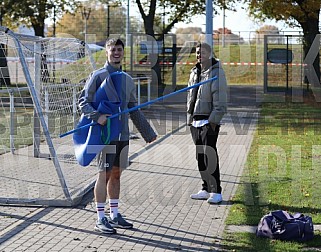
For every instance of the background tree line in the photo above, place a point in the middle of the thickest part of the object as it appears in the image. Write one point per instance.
(300, 13)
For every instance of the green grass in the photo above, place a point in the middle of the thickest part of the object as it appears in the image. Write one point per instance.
(282, 172)
(250, 243)
(23, 129)
(236, 74)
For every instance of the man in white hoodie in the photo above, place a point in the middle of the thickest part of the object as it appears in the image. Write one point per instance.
(206, 106)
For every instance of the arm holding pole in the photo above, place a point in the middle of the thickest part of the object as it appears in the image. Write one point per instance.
(141, 105)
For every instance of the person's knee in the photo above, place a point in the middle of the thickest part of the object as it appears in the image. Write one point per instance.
(115, 173)
(103, 176)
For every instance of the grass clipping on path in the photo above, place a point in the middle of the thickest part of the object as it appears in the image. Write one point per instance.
(283, 171)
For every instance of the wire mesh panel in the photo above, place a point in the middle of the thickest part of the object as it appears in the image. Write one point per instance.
(41, 79)
(283, 66)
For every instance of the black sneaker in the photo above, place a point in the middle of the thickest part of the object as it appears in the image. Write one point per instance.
(103, 226)
(119, 222)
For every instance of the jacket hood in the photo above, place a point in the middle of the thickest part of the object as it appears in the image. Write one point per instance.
(214, 64)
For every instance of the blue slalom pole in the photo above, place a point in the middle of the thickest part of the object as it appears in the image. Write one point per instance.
(75, 130)
(141, 105)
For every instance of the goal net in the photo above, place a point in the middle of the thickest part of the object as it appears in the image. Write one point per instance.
(41, 79)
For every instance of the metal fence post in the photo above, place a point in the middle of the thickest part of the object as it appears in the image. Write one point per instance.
(74, 106)
(12, 124)
(148, 89)
(46, 115)
(138, 91)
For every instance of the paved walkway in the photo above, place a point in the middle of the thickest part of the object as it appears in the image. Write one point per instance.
(154, 194)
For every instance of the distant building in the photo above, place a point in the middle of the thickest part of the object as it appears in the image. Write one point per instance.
(229, 37)
(268, 30)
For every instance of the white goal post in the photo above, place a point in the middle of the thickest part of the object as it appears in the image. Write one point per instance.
(41, 79)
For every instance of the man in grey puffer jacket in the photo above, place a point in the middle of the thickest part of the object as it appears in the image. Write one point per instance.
(206, 106)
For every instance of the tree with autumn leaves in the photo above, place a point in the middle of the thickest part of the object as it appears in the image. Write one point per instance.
(34, 13)
(174, 11)
(300, 13)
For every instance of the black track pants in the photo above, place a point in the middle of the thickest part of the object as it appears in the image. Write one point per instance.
(205, 139)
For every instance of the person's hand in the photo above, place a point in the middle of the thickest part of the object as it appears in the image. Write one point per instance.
(213, 125)
(103, 119)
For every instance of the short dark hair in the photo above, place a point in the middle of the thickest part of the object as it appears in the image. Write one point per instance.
(204, 45)
(114, 41)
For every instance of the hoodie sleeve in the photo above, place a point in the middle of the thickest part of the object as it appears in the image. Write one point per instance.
(143, 126)
(139, 120)
(87, 97)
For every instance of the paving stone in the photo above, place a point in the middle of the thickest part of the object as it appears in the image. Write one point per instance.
(155, 193)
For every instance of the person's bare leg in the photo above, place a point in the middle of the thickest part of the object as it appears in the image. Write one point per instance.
(113, 186)
(100, 190)
(113, 189)
(100, 193)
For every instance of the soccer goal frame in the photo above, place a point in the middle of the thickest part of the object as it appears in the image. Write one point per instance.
(41, 79)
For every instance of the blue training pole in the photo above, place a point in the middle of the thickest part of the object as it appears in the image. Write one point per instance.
(141, 105)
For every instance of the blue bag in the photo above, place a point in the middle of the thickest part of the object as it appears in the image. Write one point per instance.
(89, 141)
(282, 225)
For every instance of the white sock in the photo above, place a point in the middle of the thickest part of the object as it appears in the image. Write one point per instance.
(100, 208)
(113, 208)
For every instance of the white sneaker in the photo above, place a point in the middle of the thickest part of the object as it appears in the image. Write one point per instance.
(215, 198)
(201, 195)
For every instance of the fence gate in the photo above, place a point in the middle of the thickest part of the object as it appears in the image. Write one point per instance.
(283, 63)
(146, 51)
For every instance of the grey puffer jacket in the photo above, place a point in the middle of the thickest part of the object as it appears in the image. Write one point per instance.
(211, 99)
(128, 98)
